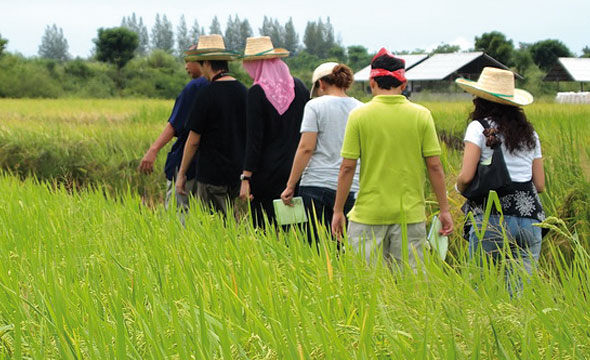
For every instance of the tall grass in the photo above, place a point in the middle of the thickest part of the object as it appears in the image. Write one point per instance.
(85, 275)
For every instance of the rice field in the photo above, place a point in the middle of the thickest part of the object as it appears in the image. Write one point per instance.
(93, 267)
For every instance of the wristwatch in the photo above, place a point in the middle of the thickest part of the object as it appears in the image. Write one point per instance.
(244, 177)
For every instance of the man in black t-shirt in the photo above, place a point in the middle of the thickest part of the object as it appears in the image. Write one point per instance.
(217, 127)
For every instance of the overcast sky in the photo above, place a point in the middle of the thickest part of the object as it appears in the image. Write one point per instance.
(396, 25)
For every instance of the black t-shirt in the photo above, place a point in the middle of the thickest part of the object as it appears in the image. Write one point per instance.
(272, 140)
(219, 116)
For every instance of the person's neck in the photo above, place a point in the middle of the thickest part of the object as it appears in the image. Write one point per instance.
(335, 91)
(222, 78)
(393, 91)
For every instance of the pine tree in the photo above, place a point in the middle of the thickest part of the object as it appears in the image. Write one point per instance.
(140, 29)
(291, 41)
(195, 33)
(215, 27)
(3, 43)
(246, 32)
(233, 34)
(53, 44)
(162, 34)
(183, 40)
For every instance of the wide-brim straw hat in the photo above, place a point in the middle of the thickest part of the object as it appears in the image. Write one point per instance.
(496, 85)
(210, 47)
(260, 48)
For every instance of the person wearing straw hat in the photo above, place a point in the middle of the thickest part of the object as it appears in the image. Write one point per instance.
(217, 127)
(275, 110)
(318, 160)
(500, 105)
(393, 138)
(177, 127)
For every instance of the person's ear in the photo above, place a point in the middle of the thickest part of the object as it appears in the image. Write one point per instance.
(404, 85)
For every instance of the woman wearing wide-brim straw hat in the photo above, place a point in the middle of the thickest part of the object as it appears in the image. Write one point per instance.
(275, 110)
(217, 125)
(500, 105)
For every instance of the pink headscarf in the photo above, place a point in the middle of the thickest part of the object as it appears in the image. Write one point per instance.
(275, 79)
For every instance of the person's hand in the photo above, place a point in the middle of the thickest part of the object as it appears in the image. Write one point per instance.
(338, 223)
(245, 194)
(446, 221)
(180, 184)
(287, 196)
(147, 163)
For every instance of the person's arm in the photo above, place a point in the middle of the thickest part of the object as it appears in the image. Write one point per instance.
(345, 176)
(190, 148)
(471, 157)
(437, 180)
(147, 163)
(538, 175)
(254, 138)
(305, 150)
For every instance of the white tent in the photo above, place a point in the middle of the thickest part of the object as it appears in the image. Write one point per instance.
(411, 61)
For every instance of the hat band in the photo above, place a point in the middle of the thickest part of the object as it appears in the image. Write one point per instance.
(501, 95)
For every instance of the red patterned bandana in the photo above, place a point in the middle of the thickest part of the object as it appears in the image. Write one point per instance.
(399, 74)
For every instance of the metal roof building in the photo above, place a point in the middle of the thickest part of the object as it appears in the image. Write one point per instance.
(411, 61)
(451, 66)
(570, 69)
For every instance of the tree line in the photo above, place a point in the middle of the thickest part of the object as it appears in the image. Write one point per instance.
(123, 55)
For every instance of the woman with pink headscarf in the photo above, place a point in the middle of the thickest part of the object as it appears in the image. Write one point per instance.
(274, 112)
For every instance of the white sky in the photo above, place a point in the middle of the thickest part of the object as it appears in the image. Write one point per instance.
(396, 25)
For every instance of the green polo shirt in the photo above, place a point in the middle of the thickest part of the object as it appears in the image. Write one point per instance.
(391, 136)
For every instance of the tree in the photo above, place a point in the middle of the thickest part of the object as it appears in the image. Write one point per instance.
(546, 52)
(233, 34)
(497, 46)
(3, 43)
(53, 44)
(116, 45)
(162, 34)
(522, 58)
(444, 48)
(215, 27)
(319, 38)
(246, 31)
(358, 57)
(272, 28)
(585, 51)
(291, 40)
(183, 40)
(196, 32)
(140, 29)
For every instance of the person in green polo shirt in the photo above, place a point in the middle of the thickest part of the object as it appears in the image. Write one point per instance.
(393, 138)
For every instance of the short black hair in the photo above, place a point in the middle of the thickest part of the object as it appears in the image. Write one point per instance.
(216, 65)
(391, 64)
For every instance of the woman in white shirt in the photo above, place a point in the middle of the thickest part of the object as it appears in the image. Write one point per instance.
(317, 160)
(499, 104)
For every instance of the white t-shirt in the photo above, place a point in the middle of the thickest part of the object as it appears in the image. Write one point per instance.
(519, 164)
(327, 116)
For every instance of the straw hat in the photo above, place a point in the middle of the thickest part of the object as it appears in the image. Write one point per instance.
(322, 70)
(210, 47)
(496, 85)
(260, 48)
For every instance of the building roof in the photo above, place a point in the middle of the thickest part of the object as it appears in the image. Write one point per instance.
(451, 66)
(411, 61)
(570, 69)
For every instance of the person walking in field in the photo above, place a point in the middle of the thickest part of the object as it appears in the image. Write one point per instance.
(317, 160)
(499, 105)
(217, 127)
(275, 109)
(393, 138)
(177, 127)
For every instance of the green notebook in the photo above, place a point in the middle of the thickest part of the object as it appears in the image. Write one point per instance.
(290, 214)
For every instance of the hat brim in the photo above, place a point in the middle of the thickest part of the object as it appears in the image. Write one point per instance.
(212, 56)
(276, 53)
(520, 97)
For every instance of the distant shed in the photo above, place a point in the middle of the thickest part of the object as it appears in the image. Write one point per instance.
(570, 69)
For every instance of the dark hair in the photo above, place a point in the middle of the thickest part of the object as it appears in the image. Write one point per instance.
(341, 77)
(391, 64)
(511, 123)
(216, 65)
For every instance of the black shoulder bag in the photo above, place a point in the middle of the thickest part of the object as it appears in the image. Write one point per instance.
(494, 176)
